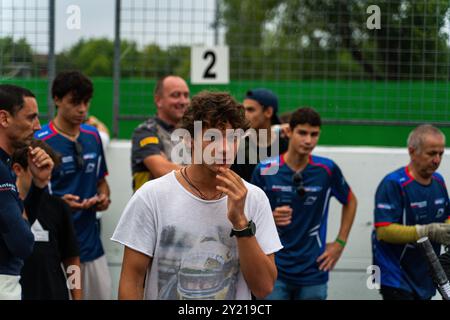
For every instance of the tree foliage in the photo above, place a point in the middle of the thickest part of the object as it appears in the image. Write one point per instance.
(284, 39)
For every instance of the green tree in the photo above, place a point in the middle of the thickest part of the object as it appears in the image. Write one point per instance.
(329, 38)
(14, 53)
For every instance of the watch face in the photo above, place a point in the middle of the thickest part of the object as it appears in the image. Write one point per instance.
(253, 227)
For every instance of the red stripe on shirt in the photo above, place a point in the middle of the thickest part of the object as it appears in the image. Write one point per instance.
(311, 162)
(382, 224)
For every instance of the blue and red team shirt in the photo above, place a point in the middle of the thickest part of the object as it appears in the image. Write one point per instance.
(69, 178)
(401, 199)
(304, 239)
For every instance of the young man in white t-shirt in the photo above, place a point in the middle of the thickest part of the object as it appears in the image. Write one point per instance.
(200, 232)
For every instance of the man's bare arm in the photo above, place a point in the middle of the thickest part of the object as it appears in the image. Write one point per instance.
(134, 268)
(159, 165)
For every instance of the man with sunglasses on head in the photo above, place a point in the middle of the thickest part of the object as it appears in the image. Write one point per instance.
(80, 179)
(299, 186)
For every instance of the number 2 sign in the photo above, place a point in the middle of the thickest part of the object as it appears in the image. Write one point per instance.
(210, 65)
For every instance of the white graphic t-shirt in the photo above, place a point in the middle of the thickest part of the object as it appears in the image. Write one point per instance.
(188, 238)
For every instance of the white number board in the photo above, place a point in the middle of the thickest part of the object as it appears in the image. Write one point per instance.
(210, 65)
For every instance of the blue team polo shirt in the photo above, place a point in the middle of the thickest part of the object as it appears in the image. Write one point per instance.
(69, 178)
(16, 239)
(401, 199)
(304, 239)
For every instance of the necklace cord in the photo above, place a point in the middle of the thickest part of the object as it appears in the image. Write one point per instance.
(65, 132)
(186, 178)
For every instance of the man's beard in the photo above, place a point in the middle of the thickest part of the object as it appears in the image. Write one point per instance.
(19, 144)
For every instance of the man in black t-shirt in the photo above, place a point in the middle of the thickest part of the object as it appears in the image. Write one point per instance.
(261, 107)
(42, 276)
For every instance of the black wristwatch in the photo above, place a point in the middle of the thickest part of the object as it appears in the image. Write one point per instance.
(249, 231)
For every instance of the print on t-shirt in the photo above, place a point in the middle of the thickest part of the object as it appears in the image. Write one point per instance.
(193, 266)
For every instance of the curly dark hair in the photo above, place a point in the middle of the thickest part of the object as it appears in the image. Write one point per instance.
(73, 82)
(215, 110)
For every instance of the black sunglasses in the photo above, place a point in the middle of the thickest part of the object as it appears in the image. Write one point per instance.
(297, 180)
(79, 154)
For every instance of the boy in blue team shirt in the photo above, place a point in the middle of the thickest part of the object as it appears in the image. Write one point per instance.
(80, 179)
(299, 186)
(410, 203)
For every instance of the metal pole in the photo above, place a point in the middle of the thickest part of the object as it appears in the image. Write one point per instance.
(51, 69)
(216, 23)
(116, 72)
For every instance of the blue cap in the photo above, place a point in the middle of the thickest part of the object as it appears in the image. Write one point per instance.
(265, 98)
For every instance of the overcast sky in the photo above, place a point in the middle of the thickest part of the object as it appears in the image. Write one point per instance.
(97, 20)
(146, 21)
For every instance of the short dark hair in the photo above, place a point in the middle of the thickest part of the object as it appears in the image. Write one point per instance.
(215, 110)
(20, 155)
(73, 82)
(305, 115)
(12, 97)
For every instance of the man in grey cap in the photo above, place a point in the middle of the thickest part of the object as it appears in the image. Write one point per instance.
(261, 107)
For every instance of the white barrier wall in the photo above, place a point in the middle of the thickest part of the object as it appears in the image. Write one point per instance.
(363, 168)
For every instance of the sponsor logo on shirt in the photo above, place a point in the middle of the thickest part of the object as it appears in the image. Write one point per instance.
(310, 200)
(8, 187)
(386, 206)
(90, 167)
(43, 133)
(313, 188)
(281, 188)
(148, 140)
(415, 205)
(91, 155)
(439, 201)
(67, 159)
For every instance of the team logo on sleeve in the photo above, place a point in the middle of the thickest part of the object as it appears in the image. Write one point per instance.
(385, 206)
(148, 140)
(8, 187)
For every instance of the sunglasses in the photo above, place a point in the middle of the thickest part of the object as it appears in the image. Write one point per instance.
(297, 180)
(79, 154)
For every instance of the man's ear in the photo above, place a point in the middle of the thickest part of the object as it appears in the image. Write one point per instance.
(288, 131)
(157, 100)
(17, 168)
(4, 118)
(411, 151)
(268, 112)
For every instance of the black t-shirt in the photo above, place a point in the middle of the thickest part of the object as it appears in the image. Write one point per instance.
(245, 170)
(445, 262)
(43, 276)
